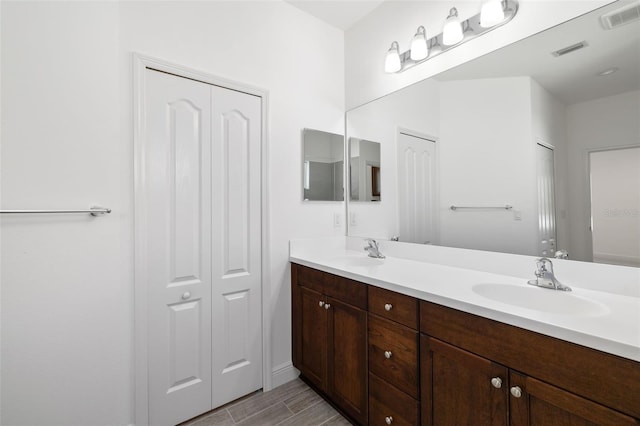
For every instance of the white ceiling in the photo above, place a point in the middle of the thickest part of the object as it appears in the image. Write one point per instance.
(573, 77)
(342, 14)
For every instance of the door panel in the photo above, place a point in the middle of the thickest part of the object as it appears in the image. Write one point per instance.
(347, 363)
(179, 266)
(236, 244)
(457, 387)
(416, 189)
(184, 329)
(313, 330)
(542, 404)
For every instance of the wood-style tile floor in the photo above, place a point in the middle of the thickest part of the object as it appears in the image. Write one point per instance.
(293, 403)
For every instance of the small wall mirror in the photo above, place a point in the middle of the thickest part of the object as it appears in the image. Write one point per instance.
(323, 166)
(364, 170)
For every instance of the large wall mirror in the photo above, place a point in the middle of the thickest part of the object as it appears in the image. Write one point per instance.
(322, 166)
(532, 149)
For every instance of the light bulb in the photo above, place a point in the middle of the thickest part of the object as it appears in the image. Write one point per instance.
(419, 48)
(392, 61)
(452, 31)
(491, 13)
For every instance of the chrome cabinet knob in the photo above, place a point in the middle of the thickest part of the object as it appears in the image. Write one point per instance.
(388, 306)
(387, 354)
(388, 420)
(516, 391)
(327, 305)
(186, 295)
(496, 382)
(321, 303)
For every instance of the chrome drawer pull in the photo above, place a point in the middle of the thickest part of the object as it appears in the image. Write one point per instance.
(516, 391)
(388, 420)
(388, 306)
(496, 382)
(387, 354)
(327, 305)
(321, 303)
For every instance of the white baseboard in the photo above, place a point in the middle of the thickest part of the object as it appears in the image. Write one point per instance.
(283, 373)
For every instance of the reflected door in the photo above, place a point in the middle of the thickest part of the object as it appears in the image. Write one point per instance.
(546, 202)
(202, 202)
(615, 206)
(416, 189)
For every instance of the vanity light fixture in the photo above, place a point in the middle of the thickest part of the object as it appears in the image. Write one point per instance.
(393, 63)
(493, 14)
(452, 31)
(419, 49)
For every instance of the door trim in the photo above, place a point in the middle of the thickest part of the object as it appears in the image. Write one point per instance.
(140, 64)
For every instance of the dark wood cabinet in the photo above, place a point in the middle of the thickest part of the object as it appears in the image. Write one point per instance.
(394, 372)
(347, 358)
(312, 361)
(544, 381)
(533, 402)
(330, 337)
(460, 388)
(387, 358)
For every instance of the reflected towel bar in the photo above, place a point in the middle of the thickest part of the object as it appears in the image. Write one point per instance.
(505, 207)
(94, 211)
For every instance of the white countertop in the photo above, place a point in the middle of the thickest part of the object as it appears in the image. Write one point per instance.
(607, 321)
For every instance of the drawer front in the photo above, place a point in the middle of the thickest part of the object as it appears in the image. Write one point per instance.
(394, 306)
(346, 290)
(309, 277)
(393, 354)
(388, 405)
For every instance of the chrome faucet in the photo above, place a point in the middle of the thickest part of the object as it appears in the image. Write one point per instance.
(373, 249)
(545, 277)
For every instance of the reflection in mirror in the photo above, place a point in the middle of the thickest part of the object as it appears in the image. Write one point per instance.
(364, 170)
(323, 166)
(517, 128)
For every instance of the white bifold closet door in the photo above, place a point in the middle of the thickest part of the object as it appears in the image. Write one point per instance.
(203, 201)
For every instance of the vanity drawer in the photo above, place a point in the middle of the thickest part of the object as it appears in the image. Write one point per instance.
(309, 277)
(394, 306)
(387, 402)
(346, 290)
(393, 354)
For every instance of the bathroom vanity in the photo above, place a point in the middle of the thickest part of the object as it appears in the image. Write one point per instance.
(385, 348)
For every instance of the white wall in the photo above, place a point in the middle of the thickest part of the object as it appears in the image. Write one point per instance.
(603, 123)
(368, 41)
(67, 142)
(486, 158)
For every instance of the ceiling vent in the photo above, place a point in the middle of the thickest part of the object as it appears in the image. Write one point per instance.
(622, 16)
(570, 49)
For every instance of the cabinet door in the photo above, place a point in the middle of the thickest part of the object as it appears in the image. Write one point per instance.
(458, 387)
(535, 403)
(347, 353)
(312, 339)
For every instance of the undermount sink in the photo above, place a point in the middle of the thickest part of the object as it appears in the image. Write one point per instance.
(540, 299)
